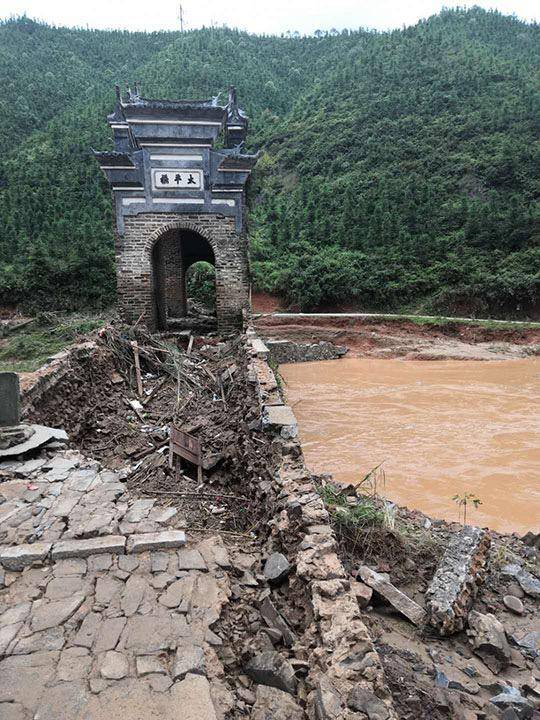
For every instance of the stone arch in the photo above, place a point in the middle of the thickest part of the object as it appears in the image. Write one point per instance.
(180, 225)
(136, 276)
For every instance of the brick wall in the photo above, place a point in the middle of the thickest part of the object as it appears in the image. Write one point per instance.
(138, 275)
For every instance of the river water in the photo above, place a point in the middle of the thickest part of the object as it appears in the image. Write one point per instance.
(440, 429)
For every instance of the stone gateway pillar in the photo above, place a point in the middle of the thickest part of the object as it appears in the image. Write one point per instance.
(177, 200)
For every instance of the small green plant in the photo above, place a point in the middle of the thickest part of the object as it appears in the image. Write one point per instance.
(370, 508)
(331, 495)
(463, 501)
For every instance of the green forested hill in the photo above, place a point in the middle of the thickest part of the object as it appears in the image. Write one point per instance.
(398, 170)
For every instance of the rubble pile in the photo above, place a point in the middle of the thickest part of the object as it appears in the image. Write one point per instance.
(455, 624)
(204, 391)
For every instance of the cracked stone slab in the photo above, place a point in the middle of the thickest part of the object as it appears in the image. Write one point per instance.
(93, 546)
(194, 693)
(139, 510)
(191, 559)
(18, 557)
(156, 541)
(41, 435)
(50, 614)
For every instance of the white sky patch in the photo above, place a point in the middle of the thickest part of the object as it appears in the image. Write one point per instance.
(270, 17)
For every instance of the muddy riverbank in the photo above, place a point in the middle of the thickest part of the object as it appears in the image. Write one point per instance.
(380, 337)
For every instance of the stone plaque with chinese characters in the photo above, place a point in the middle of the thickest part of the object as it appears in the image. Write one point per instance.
(178, 178)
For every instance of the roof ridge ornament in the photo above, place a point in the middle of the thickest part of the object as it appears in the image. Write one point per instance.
(118, 114)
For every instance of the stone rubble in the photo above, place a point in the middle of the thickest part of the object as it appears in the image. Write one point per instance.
(276, 568)
(403, 604)
(110, 604)
(488, 638)
(342, 656)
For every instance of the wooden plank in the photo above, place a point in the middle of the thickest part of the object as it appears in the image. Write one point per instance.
(185, 445)
(135, 346)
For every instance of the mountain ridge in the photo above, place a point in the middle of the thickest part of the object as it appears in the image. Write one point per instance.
(399, 170)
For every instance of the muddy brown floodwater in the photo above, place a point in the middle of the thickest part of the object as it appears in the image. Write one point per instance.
(439, 428)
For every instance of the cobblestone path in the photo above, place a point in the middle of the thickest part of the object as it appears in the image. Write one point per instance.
(106, 608)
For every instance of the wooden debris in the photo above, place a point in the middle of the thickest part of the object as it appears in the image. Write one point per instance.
(135, 346)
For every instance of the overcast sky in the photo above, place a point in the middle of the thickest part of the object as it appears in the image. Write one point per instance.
(272, 16)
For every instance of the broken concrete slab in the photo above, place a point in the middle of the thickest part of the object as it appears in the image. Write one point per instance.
(93, 546)
(40, 436)
(454, 586)
(399, 601)
(156, 541)
(18, 557)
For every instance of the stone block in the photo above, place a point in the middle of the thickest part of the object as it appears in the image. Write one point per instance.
(20, 556)
(258, 347)
(280, 417)
(451, 593)
(115, 544)
(189, 659)
(276, 704)
(399, 601)
(191, 559)
(156, 541)
(271, 668)
(10, 402)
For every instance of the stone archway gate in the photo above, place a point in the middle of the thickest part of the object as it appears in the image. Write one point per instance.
(166, 176)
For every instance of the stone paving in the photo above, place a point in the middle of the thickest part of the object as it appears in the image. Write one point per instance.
(106, 607)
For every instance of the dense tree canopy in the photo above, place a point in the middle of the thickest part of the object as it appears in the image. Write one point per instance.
(398, 170)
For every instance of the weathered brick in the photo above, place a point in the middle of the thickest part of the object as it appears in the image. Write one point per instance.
(140, 269)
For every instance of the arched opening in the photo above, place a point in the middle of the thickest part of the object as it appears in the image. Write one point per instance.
(201, 288)
(175, 251)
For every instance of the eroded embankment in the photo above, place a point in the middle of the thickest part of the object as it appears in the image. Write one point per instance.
(290, 635)
(393, 338)
(284, 642)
